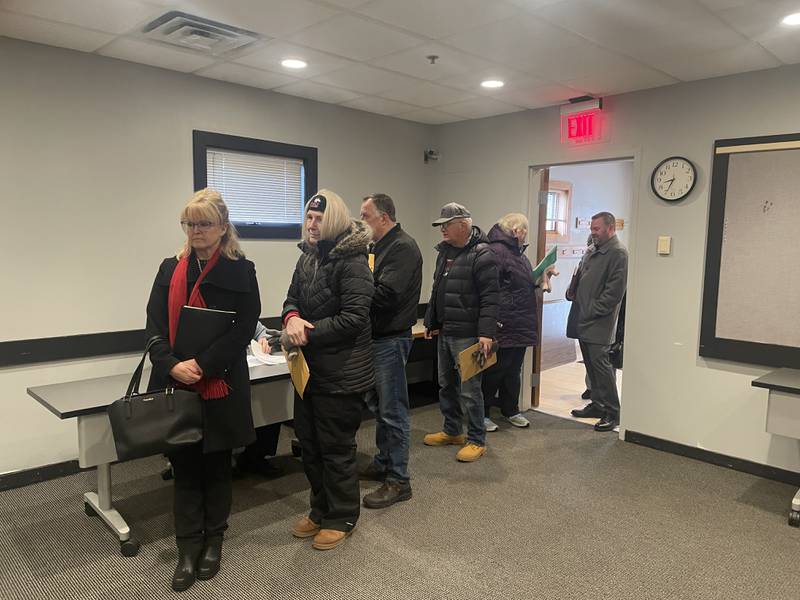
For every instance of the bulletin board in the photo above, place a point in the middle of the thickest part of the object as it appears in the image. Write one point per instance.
(751, 296)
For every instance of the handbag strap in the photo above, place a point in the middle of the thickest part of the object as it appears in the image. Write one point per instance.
(136, 379)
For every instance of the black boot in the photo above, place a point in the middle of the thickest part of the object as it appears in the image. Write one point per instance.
(186, 570)
(210, 559)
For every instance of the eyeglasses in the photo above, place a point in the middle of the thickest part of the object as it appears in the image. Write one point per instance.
(199, 225)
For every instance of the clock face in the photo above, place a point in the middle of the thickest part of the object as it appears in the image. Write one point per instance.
(673, 178)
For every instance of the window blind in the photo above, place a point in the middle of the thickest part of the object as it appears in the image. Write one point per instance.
(259, 189)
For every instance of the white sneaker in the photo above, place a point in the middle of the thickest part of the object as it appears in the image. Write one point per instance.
(518, 421)
(489, 425)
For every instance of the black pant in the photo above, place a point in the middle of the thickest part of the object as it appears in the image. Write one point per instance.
(326, 426)
(505, 378)
(266, 444)
(203, 494)
(602, 377)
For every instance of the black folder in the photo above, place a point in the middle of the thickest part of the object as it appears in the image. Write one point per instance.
(199, 328)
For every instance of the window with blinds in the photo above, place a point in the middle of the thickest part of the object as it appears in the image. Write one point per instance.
(264, 183)
(258, 189)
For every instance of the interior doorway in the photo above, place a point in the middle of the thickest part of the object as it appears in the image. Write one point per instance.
(563, 200)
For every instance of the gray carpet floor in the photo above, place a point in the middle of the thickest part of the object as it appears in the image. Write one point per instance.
(554, 511)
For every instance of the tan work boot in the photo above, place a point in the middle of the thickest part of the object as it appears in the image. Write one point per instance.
(471, 452)
(304, 528)
(327, 539)
(441, 438)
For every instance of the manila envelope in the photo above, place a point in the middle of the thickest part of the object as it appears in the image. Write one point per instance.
(298, 370)
(468, 365)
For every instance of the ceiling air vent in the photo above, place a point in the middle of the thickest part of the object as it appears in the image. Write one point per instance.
(198, 34)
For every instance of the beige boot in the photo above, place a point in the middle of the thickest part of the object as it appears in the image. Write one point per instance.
(304, 528)
(327, 539)
(471, 452)
(443, 439)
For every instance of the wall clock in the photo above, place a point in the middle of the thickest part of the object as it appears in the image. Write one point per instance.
(673, 178)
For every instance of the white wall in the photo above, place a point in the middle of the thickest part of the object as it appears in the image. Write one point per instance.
(670, 392)
(96, 159)
(595, 187)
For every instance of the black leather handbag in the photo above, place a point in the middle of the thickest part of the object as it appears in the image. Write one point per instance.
(157, 422)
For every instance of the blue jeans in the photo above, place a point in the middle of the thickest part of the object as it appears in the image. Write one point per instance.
(389, 404)
(456, 397)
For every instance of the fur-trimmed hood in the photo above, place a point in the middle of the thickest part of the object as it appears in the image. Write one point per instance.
(354, 241)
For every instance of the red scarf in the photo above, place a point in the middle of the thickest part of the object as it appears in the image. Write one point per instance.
(208, 389)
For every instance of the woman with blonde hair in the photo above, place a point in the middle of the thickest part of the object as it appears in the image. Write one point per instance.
(517, 325)
(209, 271)
(327, 313)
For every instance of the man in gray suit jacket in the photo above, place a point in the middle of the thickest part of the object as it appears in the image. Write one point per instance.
(592, 320)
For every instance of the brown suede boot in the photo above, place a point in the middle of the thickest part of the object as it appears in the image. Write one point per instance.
(327, 539)
(304, 528)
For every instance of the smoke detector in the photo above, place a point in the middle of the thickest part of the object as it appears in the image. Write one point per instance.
(198, 34)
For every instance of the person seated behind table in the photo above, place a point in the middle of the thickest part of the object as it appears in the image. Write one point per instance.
(257, 457)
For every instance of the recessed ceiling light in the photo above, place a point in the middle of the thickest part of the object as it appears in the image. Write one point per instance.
(294, 63)
(492, 83)
(793, 19)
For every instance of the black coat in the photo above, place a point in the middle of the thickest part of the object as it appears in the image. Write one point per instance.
(471, 290)
(230, 285)
(517, 326)
(332, 288)
(398, 278)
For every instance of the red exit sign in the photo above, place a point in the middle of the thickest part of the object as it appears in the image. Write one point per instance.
(582, 127)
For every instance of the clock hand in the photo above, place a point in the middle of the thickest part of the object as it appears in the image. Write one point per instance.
(671, 181)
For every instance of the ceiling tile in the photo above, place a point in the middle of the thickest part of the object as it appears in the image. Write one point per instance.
(426, 94)
(275, 18)
(317, 91)
(351, 4)
(414, 62)
(438, 18)
(515, 41)
(429, 116)
(607, 83)
(538, 95)
(62, 35)
(270, 55)
(762, 19)
(745, 57)
(641, 28)
(355, 38)
(246, 76)
(119, 17)
(479, 108)
(471, 81)
(786, 48)
(380, 105)
(365, 79)
(156, 55)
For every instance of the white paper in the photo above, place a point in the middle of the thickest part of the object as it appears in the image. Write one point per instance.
(260, 357)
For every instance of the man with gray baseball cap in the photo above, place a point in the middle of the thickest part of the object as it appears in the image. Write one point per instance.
(463, 308)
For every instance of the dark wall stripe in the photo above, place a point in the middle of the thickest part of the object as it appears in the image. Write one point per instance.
(737, 464)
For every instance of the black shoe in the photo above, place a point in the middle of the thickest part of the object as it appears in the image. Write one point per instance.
(586, 395)
(210, 558)
(590, 411)
(389, 493)
(606, 424)
(186, 570)
(372, 472)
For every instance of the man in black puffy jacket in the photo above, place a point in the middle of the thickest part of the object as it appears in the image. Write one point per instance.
(397, 270)
(463, 308)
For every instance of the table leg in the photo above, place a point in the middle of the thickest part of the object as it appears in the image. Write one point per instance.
(100, 504)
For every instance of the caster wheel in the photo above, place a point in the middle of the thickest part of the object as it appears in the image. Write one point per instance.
(167, 474)
(129, 547)
(794, 518)
(87, 508)
(296, 449)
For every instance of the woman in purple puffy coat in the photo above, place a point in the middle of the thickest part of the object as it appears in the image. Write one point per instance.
(517, 327)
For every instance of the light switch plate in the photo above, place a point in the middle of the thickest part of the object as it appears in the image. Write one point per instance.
(664, 245)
